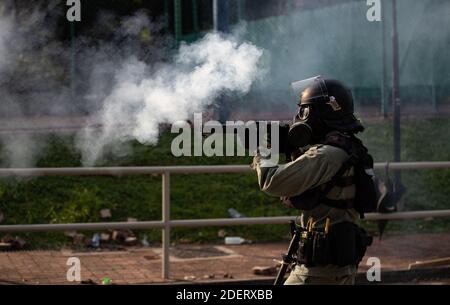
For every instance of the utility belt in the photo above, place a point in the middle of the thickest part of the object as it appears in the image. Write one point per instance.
(341, 244)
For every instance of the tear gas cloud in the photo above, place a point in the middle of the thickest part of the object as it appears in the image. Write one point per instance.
(127, 82)
(140, 100)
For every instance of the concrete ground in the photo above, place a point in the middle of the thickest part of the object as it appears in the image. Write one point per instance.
(196, 263)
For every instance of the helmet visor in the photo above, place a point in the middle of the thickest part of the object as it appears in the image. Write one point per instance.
(298, 89)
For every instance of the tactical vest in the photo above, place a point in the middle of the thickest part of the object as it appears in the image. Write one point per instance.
(365, 199)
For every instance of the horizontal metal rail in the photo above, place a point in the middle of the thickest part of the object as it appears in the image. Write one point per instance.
(166, 224)
(215, 222)
(194, 169)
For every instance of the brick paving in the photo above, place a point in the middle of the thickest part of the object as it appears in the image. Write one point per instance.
(143, 265)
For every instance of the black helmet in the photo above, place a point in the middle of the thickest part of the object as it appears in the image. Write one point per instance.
(325, 105)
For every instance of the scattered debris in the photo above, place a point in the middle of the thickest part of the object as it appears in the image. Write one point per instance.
(110, 239)
(105, 237)
(117, 236)
(5, 246)
(234, 240)
(228, 276)
(222, 233)
(121, 235)
(12, 243)
(131, 241)
(95, 243)
(145, 242)
(105, 213)
(265, 270)
(78, 240)
(18, 243)
(71, 234)
(235, 214)
(106, 281)
(189, 278)
(7, 238)
(209, 276)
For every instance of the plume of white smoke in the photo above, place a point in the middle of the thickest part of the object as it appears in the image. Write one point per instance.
(17, 38)
(5, 32)
(136, 37)
(123, 79)
(13, 153)
(142, 99)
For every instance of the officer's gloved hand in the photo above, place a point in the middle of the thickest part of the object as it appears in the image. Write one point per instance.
(255, 162)
(262, 156)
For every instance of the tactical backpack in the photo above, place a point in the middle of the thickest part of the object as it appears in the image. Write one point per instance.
(366, 198)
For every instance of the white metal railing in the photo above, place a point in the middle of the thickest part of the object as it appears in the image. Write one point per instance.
(165, 223)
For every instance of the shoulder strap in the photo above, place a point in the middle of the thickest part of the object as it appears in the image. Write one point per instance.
(345, 143)
(358, 156)
(351, 161)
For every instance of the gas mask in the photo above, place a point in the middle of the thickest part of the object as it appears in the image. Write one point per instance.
(307, 128)
(324, 105)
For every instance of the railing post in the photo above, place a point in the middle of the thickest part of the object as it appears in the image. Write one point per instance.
(165, 219)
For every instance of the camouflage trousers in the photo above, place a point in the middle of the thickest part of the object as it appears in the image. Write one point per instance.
(322, 275)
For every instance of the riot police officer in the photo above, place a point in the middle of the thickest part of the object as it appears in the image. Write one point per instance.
(329, 179)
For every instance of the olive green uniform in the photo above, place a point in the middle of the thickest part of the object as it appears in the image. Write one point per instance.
(314, 168)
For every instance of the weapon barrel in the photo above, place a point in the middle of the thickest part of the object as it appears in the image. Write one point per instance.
(288, 258)
(280, 277)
